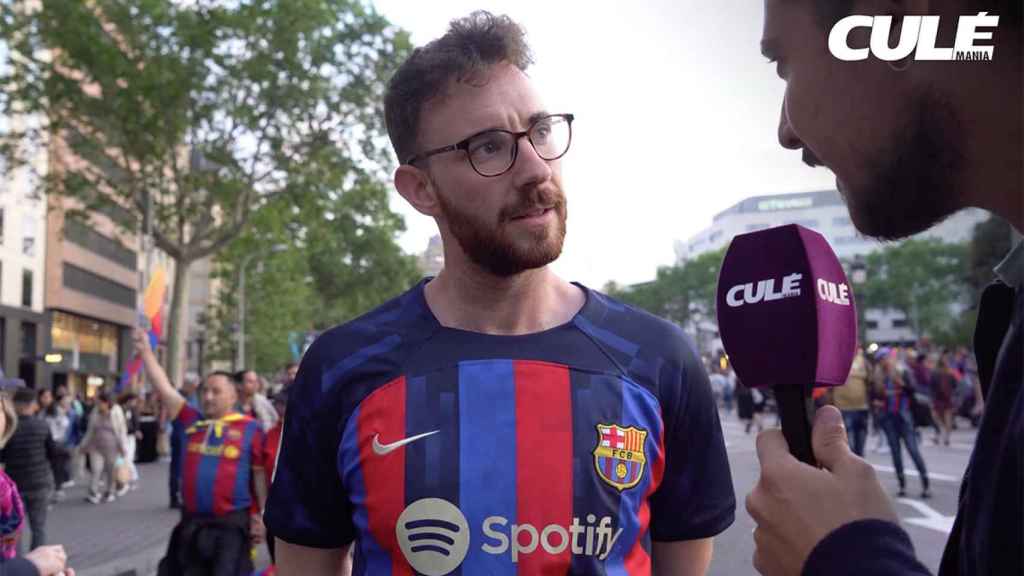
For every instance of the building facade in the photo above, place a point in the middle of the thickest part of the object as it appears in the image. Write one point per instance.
(824, 212)
(23, 322)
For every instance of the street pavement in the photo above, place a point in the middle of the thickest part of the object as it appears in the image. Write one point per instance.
(125, 537)
(129, 536)
(927, 521)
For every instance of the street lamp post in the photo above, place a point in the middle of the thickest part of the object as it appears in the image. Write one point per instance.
(240, 350)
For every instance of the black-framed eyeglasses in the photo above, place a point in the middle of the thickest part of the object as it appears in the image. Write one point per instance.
(494, 152)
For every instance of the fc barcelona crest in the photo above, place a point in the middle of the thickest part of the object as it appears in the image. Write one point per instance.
(619, 456)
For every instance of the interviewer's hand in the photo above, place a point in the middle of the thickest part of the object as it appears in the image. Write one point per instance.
(50, 560)
(795, 505)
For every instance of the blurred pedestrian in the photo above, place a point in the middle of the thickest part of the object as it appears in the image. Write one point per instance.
(892, 394)
(26, 458)
(944, 382)
(223, 482)
(45, 560)
(105, 442)
(133, 434)
(59, 420)
(270, 446)
(852, 399)
(749, 405)
(252, 401)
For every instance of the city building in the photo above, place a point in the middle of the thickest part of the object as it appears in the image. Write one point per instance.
(824, 212)
(22, 266)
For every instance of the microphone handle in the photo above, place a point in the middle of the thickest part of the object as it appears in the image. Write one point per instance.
(796, 410)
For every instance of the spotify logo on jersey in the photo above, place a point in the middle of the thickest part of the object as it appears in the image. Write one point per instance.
(433, 535)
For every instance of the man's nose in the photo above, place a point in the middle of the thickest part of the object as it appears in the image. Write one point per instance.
(787, 137)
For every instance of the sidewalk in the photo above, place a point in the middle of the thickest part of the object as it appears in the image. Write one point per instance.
(126, 537)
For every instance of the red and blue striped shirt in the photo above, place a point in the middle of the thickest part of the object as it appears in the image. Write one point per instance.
(442, 451)
(219, 462)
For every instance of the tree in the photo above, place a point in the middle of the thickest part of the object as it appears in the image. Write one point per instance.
(341, 261)
(198, 114)
(922, 278)
(681, 293)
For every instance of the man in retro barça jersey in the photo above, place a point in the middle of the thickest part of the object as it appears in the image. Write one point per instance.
(496, 419)
(222, 484)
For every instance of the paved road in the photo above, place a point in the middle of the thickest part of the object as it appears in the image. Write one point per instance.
(928, 522)
(129, 534)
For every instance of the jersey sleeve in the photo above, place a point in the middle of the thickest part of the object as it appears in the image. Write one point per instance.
(187, 416)
(696, 497)
(256, 448)
(308, 504)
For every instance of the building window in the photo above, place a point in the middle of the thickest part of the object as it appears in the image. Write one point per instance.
(812, 224)
(78, 233)
(86, 282)
(899, 323)
(28, 231)
(26, 288)
(871, 324)
(841, 221)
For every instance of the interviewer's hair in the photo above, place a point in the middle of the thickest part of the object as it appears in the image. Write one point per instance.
(471, 46)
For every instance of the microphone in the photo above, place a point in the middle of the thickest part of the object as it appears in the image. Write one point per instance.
(787, 321)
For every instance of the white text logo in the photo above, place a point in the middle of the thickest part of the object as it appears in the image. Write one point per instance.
(585, 539)
(834, 293)
(763, 291)
(434, 537)
(918, 36)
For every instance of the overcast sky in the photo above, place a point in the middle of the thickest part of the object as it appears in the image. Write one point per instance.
(676, 115)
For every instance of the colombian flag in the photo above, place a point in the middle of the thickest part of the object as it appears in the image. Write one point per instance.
(152, 310)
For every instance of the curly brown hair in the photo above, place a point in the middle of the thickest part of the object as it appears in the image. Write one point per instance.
(471, 46)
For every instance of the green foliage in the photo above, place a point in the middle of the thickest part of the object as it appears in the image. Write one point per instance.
(989, 245)
(339, 260)
(679, 293)
(209, 111)
(922, 278)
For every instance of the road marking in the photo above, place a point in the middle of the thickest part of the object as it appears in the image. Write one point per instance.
(932, 519)
(931, 475)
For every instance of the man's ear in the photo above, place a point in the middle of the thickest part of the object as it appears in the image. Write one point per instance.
(415, 186)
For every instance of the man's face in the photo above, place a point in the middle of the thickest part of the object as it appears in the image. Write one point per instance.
(504, 224)
(251, 383)
(218, 396)
(893, 144)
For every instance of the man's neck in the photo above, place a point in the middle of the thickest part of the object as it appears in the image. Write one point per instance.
(467, 298)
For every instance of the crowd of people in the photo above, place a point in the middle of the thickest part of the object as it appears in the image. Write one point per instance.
(896, 394)
(51, 440)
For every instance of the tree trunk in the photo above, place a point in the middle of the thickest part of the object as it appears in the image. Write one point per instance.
(178, 323)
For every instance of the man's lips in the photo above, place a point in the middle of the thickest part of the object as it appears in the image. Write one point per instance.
(532, 213)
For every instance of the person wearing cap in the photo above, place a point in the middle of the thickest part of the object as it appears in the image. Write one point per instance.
(223, 484)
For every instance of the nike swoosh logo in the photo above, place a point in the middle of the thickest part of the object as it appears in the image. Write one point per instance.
(382, 449)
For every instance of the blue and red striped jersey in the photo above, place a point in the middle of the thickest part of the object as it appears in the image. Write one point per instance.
(220, 455)
(443, 451)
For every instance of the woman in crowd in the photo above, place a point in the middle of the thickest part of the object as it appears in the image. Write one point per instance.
(893, 397)
(944, 384)
(105, 441)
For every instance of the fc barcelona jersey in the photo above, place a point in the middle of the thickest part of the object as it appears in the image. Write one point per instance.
(441, 451)
(219, 462)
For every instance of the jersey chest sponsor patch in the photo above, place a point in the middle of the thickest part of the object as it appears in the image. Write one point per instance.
(502, 463)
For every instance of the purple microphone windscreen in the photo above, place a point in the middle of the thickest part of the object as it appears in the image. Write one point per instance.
(785, 309)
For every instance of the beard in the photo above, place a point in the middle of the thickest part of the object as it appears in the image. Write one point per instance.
(493, 248)
(915, 182)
